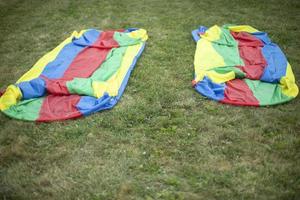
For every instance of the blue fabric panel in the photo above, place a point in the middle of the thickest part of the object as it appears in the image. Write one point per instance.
(33, 88)
(195, 33)
(210, 89)
(276, 60)
(57, 68)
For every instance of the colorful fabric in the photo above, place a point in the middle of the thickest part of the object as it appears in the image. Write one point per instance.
(86, 73)
(240, 65)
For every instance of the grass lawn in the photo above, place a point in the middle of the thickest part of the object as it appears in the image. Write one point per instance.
(163, 140)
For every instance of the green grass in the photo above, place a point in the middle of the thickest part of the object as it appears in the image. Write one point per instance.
(163, 140)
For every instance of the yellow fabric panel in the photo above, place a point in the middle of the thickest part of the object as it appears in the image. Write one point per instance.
(11, 96)
(112, 85)
(206, 58)
(220, 78)
(212, 34)
(215, 76)
(39, 66)
(287, 83)
(244, 28)
(140, 33)
(99, 88)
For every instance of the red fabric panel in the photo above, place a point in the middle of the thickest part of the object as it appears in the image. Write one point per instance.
(246, 39)
(251, 53)
(57, 87)
(59, 108)
(90, 58)
(252, 71)
(237, 92)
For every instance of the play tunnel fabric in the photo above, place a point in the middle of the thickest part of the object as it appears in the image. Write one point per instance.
(86, 73)
(240, 65)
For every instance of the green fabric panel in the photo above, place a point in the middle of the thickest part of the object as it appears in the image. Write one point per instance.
(224, 70)
(26, 109)
(227, 47)
(124, 40)
(81, 86)
(110, 65)
(267, 93)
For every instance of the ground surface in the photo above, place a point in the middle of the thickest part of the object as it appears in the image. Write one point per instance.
(163, 140)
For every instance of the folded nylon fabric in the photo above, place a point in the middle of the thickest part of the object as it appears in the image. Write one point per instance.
(86, 73)
(240, 65)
